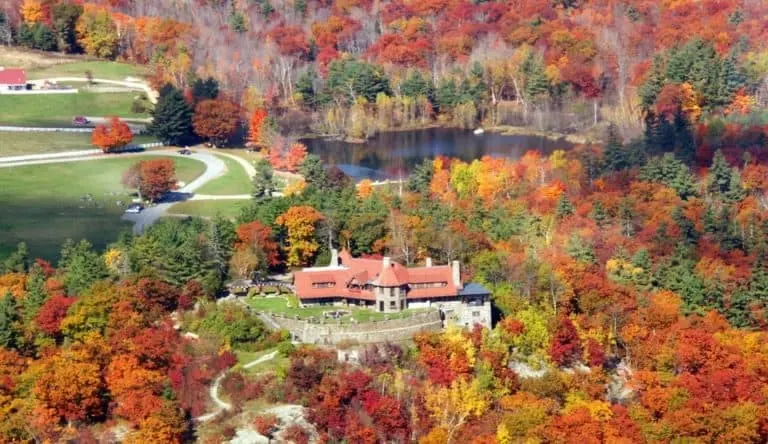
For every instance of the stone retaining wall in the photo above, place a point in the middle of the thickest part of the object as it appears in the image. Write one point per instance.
(368, 332)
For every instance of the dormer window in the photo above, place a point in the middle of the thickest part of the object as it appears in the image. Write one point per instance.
(323, 284)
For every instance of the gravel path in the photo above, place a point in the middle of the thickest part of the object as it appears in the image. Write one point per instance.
(214, 390)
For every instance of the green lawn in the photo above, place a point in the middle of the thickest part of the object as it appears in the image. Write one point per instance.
(19, 144)
(280, 305)
(100, 69)
(210, 208)
(42, 204)
(58, 110)
(234, 181)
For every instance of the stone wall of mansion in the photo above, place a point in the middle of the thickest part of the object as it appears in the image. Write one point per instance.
(332, 333)
(329, 332)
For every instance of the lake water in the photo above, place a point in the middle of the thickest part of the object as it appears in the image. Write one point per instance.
(395, 154)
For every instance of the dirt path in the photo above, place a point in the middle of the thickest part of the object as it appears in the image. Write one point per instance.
(214, 390)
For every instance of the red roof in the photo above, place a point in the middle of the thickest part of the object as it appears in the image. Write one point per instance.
(353, 278)
(12, 76)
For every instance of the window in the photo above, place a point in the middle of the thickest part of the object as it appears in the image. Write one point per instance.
(323, 284)
(392, 304)
(429, 285)
(475, 314)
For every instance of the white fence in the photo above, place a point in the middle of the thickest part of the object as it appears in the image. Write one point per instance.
(27, 92)
(80, 153)
(29, 129)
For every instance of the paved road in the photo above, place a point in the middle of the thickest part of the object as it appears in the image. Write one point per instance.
(215, 167)
(152, 95)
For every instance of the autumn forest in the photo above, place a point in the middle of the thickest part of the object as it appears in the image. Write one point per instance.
(629, 274)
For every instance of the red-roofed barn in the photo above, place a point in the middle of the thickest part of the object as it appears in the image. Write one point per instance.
(12, 79)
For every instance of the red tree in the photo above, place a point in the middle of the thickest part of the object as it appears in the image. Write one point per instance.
(565, 347)
(52, 312)
(157, 177)
(216, 120)
(112, 136)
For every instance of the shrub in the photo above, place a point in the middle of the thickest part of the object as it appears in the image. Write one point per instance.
(286, 349)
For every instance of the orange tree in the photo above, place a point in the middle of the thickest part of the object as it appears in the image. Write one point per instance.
(216, 120)
(112, 136)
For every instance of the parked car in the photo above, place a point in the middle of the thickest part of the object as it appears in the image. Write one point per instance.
(134, 208)
(185, 151)
(80, 121)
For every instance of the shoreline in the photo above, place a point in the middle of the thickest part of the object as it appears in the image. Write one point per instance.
(580, 138)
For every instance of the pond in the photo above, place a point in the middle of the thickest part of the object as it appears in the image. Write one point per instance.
(394, 154)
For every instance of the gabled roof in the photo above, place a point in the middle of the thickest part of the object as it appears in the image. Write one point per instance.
(12, 76)
(393, 275)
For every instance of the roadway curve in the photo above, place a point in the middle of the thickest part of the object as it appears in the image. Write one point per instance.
(214, 167)
(152, 95)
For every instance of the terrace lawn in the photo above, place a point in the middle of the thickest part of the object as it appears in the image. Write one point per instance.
(234, 181)
(279, 305)
(229, 208)
(20, 143)
(54, 110)
(99, 69)
(42, 204)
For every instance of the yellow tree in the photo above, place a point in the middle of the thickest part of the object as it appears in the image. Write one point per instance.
(32, 11)
(451, 407)
(300, 222)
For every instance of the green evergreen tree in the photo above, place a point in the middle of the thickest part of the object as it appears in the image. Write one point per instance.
(421, 176)
(416, 85)
(172, 117)
(44, 38)
(313, 171)
(688, 233)
(8, 321)
(580, 250)
(18, 261)
(642, 260)
(614, 156)
(537, 84)
(65, 16)
(305, 87)
(599, 214)
(653, 83)
(301, 7)
(731, 79)
(626, 218)
(349, 79)
(36, 294)
(684, 145)
(564, 207)
(205, 89)
(84, 268)
(263, 182)
(719, 178)
(221, 239)
(671, 172)
(447, 95)
(237, 21)
(679, 64)
(708, 220)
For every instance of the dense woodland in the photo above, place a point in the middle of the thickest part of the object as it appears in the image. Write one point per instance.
(355, 67)
(629, 279)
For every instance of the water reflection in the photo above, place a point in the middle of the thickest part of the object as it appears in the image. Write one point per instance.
(395, 154)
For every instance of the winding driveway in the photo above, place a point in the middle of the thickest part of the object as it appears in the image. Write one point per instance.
(152, 95)
(214, 167)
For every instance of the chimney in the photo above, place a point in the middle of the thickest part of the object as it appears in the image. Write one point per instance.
(456, 272)
(334, 258)
(386, 262)
(429, 262)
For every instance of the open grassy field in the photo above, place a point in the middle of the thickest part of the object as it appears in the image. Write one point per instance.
(100, 69)
(209, 208)
(43, 205)
(281, 305)
(234, 181)
(58, 110)
(19, 144)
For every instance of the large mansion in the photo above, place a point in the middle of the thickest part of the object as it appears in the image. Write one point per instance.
(387, 286)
